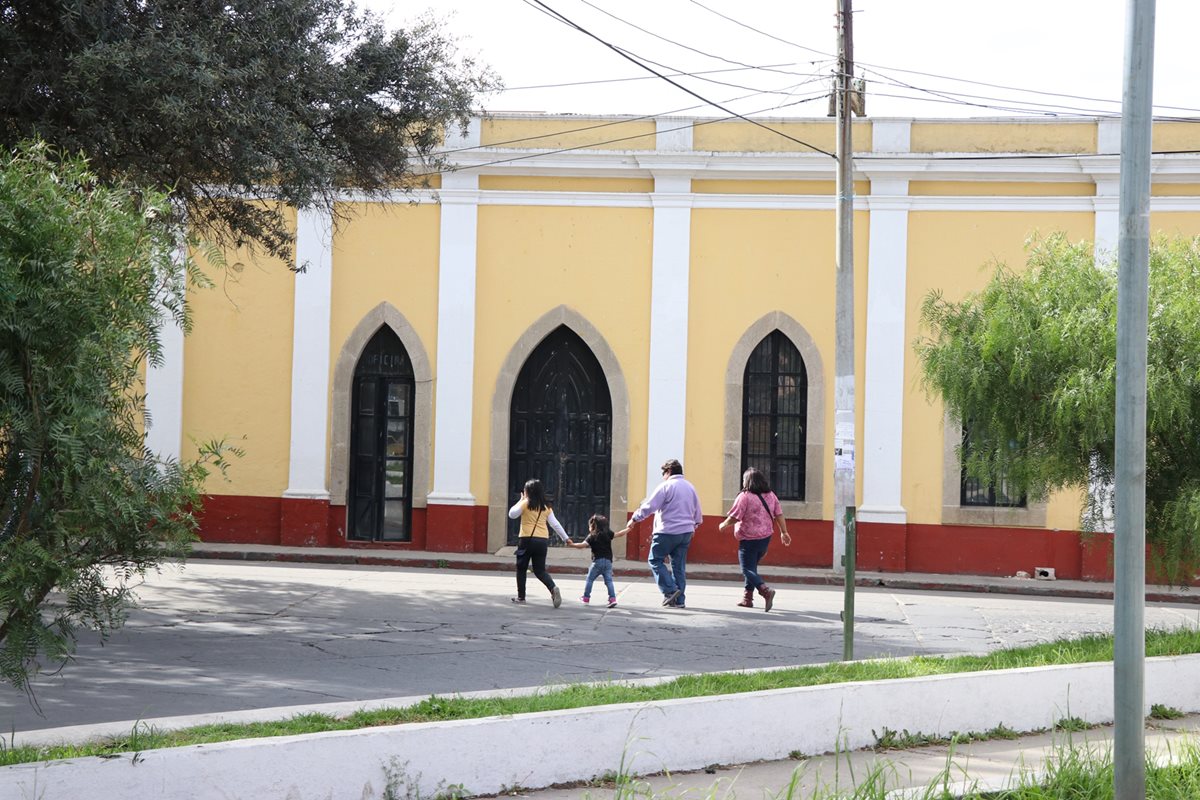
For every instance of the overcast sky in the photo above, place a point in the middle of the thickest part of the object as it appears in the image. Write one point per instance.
(1072, 47)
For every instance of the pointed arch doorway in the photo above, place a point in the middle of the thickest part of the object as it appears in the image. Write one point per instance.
(560, 430)
(381, 442)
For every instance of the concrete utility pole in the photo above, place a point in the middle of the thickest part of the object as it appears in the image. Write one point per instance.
(1133, 264)
(844, 540)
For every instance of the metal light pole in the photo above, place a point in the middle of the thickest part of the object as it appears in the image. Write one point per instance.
(844, 540)
(1133, 260)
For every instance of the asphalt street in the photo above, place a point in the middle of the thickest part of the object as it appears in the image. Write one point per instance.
(225, 636)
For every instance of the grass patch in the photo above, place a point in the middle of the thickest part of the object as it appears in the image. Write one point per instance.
(903, 740)
(1159, 711)
(432, 709)
(1077, 772)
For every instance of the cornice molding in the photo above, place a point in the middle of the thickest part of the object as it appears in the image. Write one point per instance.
(1011, 167)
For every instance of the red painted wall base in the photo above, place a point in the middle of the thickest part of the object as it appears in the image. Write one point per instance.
(456, 529)
(303, 523)
(882, 547)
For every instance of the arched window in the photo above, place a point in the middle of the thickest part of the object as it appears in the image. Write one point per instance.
(775, 415)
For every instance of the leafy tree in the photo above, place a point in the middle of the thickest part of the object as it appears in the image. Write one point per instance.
(1030, 361)
(227, 101)
(84, 508)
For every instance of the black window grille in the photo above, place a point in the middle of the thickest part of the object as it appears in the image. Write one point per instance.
(775, 415)
(974, 492)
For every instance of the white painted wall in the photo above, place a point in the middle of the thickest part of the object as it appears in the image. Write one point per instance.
(310, 356)
(455, 377)
(670, 271)
(886, 349)
(164, 385)
(486, 755)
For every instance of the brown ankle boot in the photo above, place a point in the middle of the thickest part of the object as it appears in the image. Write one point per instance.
(747, 599)
(768, 595)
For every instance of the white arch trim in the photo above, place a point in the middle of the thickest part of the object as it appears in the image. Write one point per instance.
(498, 500)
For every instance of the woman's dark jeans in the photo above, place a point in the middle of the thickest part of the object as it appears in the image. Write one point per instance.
(750, 552)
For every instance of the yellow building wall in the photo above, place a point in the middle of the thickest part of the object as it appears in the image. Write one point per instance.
(703, 186)
(1175, 189)
(989, 136)
(1000, 189)
(955, 253)
(776, 137)
(745, 264)
(542, 183)
(389, 253)
(1168, 136)
(597, 261)
(238, 369)
(1175, 223)
(548, 133)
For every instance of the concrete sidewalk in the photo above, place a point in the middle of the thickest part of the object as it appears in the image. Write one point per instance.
(568, 561)
(985, 766)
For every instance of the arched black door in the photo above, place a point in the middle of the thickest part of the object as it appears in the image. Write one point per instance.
(381, 442)
(561, 431)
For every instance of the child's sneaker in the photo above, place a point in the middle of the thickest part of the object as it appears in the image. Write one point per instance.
(612, 602)
(585, 599)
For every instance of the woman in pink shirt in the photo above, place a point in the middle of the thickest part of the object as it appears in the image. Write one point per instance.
(754, 515)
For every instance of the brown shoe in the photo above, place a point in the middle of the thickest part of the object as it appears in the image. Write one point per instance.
(747, 599)
(768, 595)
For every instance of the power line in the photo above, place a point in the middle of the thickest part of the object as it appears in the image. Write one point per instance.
(660, 37)
(593, 145)
(867, 64)
(769, 67)
(787, 90)
(762, 32)
(679, 86)
(636, 58)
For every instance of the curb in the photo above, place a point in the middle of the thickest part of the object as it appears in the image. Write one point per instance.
(673, 735)
(905, 581)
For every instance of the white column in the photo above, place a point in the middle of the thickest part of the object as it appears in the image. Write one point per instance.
(672, 200)
(164, 385)
(455, 393)
(310, 356)
(884, 387)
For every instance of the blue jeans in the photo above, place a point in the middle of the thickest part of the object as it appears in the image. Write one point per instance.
(675, 547)
(600, 567)
(750, 552)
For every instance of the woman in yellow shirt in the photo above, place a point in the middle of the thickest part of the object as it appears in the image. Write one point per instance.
(537, 518)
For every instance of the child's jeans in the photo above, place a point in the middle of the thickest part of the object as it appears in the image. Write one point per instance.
(601, 566)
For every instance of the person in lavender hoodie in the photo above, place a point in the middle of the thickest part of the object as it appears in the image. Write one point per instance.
(676, 509)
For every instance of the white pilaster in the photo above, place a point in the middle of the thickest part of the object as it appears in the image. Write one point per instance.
(1108, 218)
(164, 386)
(455, 393)
(666, 415)
(891, 136)
(673, 134)
(310, 355)
(884, 388)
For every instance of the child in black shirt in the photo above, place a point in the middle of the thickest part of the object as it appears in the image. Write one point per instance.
(599, 539)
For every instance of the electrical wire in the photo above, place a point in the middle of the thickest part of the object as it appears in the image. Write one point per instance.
(762, 32)
(660, 37)
(679, 86)
(881, 68)
(594, 145)
(786, 90)
(650, 77)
